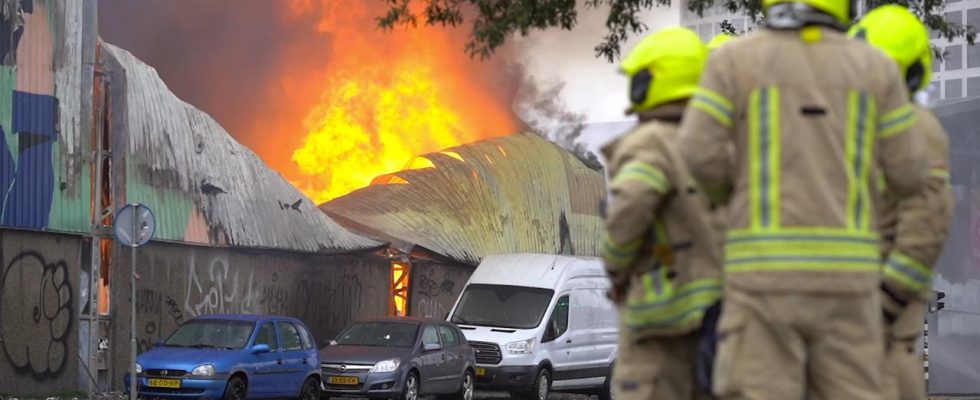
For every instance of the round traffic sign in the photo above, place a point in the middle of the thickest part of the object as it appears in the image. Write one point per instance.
(135, 225)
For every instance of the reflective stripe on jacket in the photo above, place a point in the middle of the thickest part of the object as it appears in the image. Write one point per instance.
(811, 130)
(659, 239)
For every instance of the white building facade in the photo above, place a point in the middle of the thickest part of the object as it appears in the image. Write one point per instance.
(958, 75)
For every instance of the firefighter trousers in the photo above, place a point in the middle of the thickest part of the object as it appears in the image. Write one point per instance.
(660, 368)
(816, 346)
(904, 368)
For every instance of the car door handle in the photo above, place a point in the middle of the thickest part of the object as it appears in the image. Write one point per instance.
(304, 361)
(279, 361)
(568, 340)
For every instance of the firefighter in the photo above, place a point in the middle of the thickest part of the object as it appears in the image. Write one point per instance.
(658, 246)
(913, 229)
(719, 40)
(814, 117)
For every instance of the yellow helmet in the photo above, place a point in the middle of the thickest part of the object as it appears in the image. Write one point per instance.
(719, 40)
(842, 10)
(900, 34)
(664, 67)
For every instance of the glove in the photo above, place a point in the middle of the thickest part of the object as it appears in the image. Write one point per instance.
(892, 303)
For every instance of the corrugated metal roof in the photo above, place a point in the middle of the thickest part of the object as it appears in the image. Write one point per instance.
(203, 185)
(44, 91)
(517, 193)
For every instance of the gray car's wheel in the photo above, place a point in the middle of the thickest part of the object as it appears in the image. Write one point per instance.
(411, 389)
(236, 389)
(466, 387)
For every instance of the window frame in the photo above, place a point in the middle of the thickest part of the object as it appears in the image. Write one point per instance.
(275, 335)
(438, 337)
(442, 327)
(282, 331)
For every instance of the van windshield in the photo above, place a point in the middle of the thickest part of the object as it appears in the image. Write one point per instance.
(515, 307)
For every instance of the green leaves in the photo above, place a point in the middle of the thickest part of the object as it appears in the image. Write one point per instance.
(494, 21)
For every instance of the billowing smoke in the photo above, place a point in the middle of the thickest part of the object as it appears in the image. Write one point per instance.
(274, 74)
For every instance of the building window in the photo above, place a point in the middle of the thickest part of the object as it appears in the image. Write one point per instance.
(973, 56)
(937, 64)
(955, 17)
(973, 17)
(954, 57)
(739, 24)
(954, 89)
(973, 86)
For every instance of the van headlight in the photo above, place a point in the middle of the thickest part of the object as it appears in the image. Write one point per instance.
(203, 370)
(386, 366)
(521, 347)
(139, 369)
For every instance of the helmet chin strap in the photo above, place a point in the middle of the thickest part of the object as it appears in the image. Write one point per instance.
(798, 15)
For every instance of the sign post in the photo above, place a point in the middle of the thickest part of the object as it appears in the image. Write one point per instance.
(134, 227)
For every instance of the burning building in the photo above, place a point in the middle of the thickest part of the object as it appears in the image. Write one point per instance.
(449, 209)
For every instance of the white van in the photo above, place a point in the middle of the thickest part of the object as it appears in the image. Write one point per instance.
(539, 322)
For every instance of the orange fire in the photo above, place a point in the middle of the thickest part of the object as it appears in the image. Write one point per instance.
(387, 97)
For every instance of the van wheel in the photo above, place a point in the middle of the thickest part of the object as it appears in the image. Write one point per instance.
(607, 393)
(541, 389)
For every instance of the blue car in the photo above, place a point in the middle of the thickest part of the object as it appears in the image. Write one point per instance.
(232, 357)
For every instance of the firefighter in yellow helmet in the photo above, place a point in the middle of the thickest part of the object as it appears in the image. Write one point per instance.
(913, 229)
(658, 246)
(814, 117)
(719, 40)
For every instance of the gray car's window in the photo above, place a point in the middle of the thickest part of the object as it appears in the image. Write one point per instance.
(448, 337)
(429, 335)
(290, 337)
(267, 336)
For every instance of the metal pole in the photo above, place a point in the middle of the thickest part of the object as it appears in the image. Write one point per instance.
(133, 385)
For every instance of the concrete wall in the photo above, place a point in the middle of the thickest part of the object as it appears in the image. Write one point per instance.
(434, 287)
(179, 282)
(38, 312)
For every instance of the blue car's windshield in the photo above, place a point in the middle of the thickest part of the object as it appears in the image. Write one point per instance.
(383, 334)
(212, 334)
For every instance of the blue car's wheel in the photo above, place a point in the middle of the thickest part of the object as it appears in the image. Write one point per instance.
(311, 389)
(237, 389)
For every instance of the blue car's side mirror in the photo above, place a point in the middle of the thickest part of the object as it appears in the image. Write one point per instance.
(158, 344)
(260, 348)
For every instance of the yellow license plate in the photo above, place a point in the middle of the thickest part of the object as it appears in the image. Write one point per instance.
(343, 380)
(481, 372)
(164, 383)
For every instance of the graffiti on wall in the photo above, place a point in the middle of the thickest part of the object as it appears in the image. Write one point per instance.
(435, 288)
(158, 313)
(35, 315)
(178, 285)
(28, 114)
(218, 289)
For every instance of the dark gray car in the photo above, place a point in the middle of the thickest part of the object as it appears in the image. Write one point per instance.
(401, 358)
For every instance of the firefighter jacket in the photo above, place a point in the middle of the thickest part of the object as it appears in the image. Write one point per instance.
(914, 229)
(659, 242)
(811, 128)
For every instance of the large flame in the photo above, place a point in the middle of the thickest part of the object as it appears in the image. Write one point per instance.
(387, 97)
